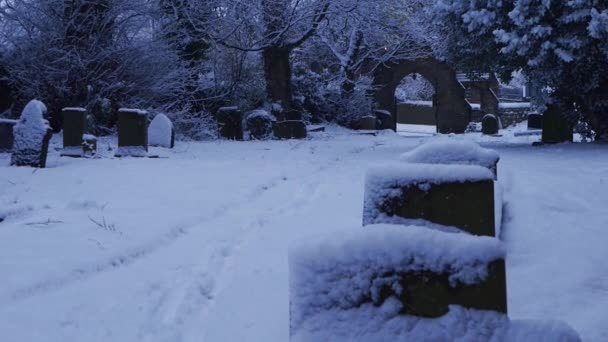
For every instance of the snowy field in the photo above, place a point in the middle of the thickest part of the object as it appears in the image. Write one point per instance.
(192, 246)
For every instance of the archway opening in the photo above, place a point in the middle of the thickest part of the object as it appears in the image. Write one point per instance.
(416, 109)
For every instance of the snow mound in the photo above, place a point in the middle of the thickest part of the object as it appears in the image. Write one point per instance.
(340, 271)
(452, 151)
(160, 131)
(31, 128)
(262, 114)
(369, 323)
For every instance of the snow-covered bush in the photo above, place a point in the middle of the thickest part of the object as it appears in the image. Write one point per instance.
(32, 134)
(415, 87)
(160, 132)
(260, 125)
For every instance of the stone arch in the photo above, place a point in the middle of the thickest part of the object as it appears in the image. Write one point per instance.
(453, 112)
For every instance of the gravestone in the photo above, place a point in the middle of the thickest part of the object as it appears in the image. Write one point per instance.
(426, 271)
(290, 129)
(6, 134)
(490, 124)
(458, 196)
(453, 151)
(74, 127)
(230, 123)
(260, 125)
(367, 123)
(32, 135)
(556, 129)
(89, 144)
(132, 133)
(535, 121)
(161, 132)
(384, 119)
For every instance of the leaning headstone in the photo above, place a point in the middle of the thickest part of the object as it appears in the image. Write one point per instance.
(74, 127)
(367, 123)
(290, 129)
(161, 132)
(230, 123)
(535, 121)
(260, 125)
(453, 151)
(32, 135)
(490, 124)
(556, 129)
(384, 119)
(6, 134)
(456, 196)
(132, 133)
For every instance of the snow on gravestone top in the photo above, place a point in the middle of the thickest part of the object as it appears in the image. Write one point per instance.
(452, 151)
(160, 131)
(329, 276)
(31, 128)
(133, 110)
(260, 113)
(74, 109)
(337, 271)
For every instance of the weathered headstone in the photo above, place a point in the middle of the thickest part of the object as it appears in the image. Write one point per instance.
(367, 123)
(459, 196)
(490, 124)
(260, 125)
(384, 119)
(161, 132)
(74, 127)
(230, 123)
(32, 135)
(556, 129)
(132, 133)
(535, 121)
(290, 129)
(6, 134)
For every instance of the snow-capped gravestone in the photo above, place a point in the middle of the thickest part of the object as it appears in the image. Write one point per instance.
(160, 132)
(230, 123)
(490, 124)
(290, 129)
(32, 134)
(74, 127)
(414, 284)
(6, 134)
(132, 133)
(384, 119)
(445, 197)
(260, 125)
(89, 144)
(453, 151)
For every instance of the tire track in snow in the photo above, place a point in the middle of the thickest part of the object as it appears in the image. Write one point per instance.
(129, 257)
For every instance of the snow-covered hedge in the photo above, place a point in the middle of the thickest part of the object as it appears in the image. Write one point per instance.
(452, 151)
(337, 284)
(160, 132)
(32, 134)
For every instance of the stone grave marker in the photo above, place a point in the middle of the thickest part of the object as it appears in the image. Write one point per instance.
(32, 135)
(132, 133)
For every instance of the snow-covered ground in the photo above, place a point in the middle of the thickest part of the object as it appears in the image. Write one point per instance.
(193, 246)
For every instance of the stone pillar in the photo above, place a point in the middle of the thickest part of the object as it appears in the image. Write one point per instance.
(74, 127)
(132, 133)
(6, 134)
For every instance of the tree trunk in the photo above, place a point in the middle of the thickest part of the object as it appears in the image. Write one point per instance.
(277, 72)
